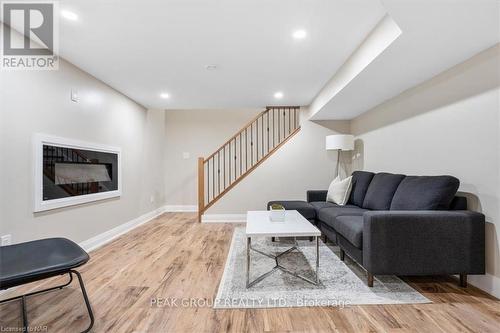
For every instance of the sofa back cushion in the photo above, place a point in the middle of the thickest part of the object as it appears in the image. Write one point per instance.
(381, 190)
(425, 193)
(359, 185)
(458, 203)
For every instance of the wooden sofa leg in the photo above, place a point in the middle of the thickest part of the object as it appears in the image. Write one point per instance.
(342, 255)
(369, 280)
(273, 239)
(463, 280)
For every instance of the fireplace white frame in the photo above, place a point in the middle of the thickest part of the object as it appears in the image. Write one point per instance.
(41, 205)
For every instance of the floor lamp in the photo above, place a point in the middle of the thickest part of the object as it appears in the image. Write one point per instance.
(339, 142)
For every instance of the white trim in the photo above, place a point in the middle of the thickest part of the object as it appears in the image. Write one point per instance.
(488, 283)
(107, 236)
(224, 218)
(181, 208)
(42, 205)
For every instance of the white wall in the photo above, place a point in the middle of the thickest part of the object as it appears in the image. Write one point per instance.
(39, 102)
(199, 133)
(447, 125)
(301, 164)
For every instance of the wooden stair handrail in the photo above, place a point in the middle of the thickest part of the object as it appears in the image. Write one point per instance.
(247, 125)
(220, 195)
(201, 185)
(238, 133)
(215, 183)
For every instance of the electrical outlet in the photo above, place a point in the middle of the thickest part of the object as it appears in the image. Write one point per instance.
(186, 155)
(6, 240)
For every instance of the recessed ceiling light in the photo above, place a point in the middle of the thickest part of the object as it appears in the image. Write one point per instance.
(299, 34)
(69, 15)
(211, 67)
(164, 95)
(278, 95)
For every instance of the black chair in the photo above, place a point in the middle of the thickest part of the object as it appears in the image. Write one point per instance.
(41, 259)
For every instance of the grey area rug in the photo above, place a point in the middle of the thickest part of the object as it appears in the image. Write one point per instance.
(341, 283)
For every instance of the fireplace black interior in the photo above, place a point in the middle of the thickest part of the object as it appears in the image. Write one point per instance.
(69, 172)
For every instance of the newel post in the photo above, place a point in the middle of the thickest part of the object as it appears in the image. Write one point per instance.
(201, 187)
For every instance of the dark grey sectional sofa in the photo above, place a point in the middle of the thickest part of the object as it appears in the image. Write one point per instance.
(401, 225)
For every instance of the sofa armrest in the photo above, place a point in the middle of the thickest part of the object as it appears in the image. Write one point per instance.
(316, 195)
(423, 242)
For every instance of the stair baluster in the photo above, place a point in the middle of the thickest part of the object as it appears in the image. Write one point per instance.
(271, 129)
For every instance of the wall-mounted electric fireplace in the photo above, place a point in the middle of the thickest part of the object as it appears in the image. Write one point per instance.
(70, 172)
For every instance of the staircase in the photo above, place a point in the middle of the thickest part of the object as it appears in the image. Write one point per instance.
(243, 152)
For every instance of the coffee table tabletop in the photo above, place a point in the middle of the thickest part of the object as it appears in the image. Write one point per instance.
(295, 225)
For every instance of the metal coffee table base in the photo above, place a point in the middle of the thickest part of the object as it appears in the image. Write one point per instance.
(278, 266)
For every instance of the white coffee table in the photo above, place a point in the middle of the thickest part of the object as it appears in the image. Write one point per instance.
(295, 225)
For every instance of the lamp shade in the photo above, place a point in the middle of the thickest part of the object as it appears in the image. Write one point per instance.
(340, 141)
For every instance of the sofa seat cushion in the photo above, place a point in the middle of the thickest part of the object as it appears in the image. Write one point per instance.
(359, 185)
(328, 215)
(425, 193)
(381, 191)
(304, 208)
(322, 204)
(351, 228)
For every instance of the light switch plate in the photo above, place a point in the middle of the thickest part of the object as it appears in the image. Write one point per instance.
(6, 240)
(74, 95)
(185, 155)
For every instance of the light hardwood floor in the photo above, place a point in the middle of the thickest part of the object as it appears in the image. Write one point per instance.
(174, 256)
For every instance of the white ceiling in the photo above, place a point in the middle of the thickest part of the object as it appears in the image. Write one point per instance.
(436, 35)
(142, 48)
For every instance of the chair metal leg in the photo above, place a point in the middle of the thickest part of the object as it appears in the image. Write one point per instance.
(40, 291)
(82, 287)
(87, 302)
(24, 311)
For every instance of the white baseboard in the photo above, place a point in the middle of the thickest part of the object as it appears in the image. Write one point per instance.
(488, 283)
(107, 236)
(224, 218)
(181, 208)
